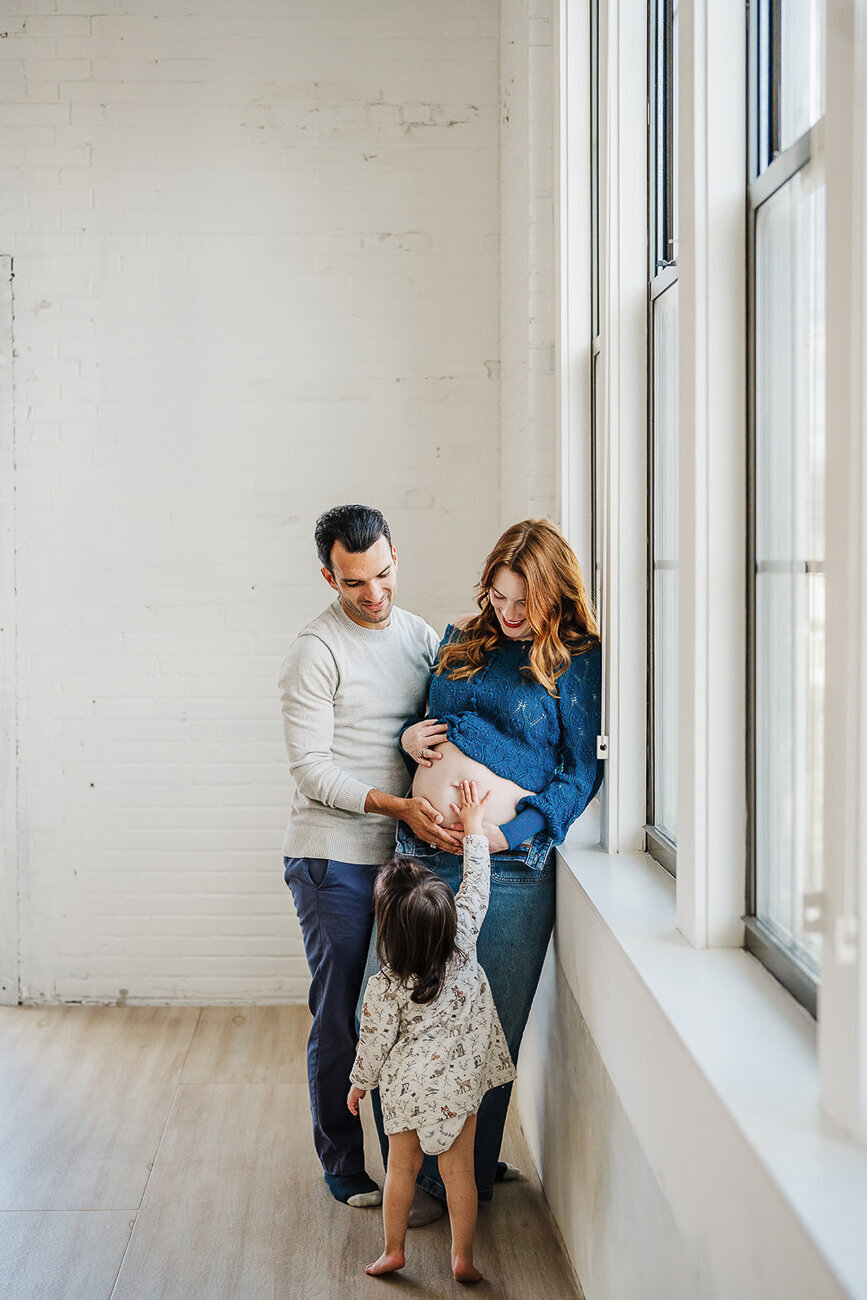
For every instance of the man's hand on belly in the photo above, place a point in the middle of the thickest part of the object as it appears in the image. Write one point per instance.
(419, 815)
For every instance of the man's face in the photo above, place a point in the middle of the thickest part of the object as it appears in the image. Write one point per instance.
(365, 581)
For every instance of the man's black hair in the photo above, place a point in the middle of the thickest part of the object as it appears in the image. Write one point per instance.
(357, 528)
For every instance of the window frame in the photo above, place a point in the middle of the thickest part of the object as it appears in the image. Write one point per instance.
(716, 157)
(769, 171)
(662, 275)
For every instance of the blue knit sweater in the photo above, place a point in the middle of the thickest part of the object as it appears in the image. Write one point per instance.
(503, 718)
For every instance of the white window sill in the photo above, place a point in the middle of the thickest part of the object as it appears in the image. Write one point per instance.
(753, 1046)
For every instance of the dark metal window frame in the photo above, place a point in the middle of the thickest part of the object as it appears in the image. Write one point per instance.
(769, 170)
(661, 123)
(662, 274)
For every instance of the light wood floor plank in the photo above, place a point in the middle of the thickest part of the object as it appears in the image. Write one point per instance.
(232, 1196)
(79, 1148)
(521, 1233)
(236, 1207)
(249, 1045)
(84, 1096)
(81, 1045)
(66, 1256)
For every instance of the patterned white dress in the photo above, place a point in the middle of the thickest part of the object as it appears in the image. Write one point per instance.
(433, 1063)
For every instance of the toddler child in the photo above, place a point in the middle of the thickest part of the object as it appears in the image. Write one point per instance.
(430, 1036)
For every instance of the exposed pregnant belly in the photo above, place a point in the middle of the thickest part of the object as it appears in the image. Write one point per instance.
(437, 785)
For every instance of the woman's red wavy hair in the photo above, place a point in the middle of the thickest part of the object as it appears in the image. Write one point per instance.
(558, 607)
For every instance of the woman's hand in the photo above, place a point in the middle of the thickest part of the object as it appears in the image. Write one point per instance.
(497, 842)
(355, 1096)
(420, 740)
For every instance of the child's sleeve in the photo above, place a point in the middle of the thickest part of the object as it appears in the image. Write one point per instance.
(380, 1021)
(472, 897)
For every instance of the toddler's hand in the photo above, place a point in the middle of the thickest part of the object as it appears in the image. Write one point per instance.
(471, 809)
(355, 1096)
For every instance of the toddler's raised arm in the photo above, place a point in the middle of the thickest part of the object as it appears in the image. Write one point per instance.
(474, 893)
(472, 897)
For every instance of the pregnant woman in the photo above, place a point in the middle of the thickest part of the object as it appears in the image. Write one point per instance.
(514, 705)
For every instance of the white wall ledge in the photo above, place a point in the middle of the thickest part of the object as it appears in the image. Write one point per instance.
(716, 1067)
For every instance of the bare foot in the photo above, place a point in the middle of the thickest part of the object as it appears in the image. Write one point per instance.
(464, 1271)
(389, 1262)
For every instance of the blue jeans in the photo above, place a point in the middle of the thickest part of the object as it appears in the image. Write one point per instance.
(334, 902)
(512, 944)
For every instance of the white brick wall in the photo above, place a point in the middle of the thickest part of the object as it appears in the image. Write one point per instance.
(256, 273)
(528, 475)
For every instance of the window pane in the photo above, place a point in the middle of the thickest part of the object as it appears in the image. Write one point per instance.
(665, 562)
(790, 549)
(802, 67)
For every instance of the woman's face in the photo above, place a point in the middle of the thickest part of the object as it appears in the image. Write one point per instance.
(508, 597)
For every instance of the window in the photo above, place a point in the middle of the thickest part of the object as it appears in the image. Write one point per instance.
(662, 426)
(786, 544)
(763, 581)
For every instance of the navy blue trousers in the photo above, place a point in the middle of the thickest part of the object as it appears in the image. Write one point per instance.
(334, 902)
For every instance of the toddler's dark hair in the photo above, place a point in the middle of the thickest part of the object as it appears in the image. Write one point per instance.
(417, 925)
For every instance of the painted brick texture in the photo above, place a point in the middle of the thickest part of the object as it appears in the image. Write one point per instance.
(256, 272)
(528, 470)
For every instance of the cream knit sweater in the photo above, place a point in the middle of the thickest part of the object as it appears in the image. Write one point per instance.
(346, 691)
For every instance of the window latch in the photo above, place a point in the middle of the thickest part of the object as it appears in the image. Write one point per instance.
(844, 930)
(846, 939)
(813, 912)
(601, 746)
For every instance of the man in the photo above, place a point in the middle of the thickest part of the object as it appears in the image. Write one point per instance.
(351, 679)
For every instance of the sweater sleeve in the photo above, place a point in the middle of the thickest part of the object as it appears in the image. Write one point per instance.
(475, 889)
(524, 826)
(308, 682)
(567, 795)
(380, 1022)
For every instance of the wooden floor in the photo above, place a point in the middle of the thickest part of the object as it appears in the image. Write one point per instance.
(160, 1152)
